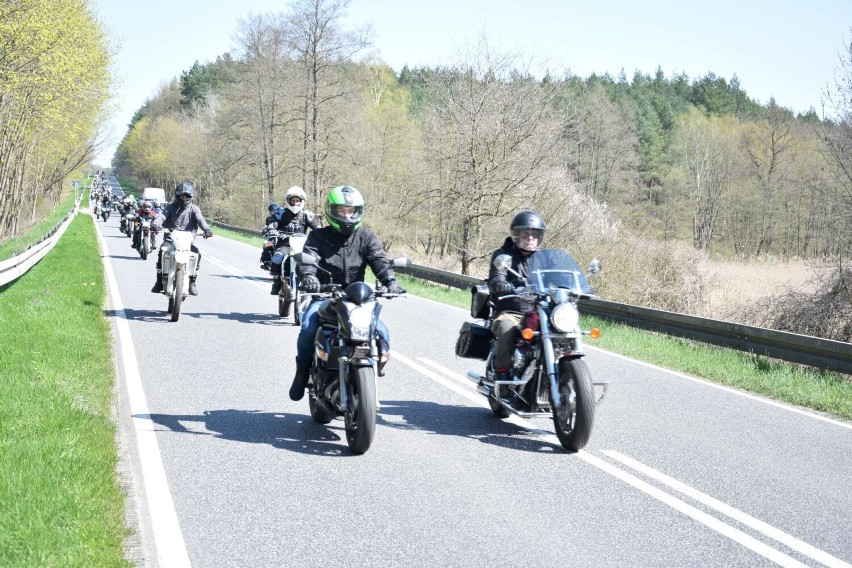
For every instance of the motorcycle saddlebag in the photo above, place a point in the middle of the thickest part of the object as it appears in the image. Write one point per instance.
(474, 341)
(479, 306)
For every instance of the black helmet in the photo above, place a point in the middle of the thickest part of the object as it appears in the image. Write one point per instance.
(184, 188)
(272, 207)
(527, 224)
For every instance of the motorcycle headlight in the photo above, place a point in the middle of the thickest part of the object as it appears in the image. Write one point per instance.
(360, 319)
(565, 318)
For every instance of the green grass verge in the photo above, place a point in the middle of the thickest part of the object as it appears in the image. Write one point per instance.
(61, 501)
(19, 243)
(788, 382)
(256, 241)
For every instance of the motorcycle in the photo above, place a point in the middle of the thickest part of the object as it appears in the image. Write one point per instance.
(348, 358)
(179, 265)
(271, 238)
(105, 211)
(146, 238)
(548, 374)
(288, 297)
(96, 209)
(132, 221)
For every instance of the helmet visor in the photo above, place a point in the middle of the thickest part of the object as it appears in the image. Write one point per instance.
(346, 213)
(528, 239)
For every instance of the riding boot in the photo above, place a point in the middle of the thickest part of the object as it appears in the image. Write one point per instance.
(193, 291)
(276, 285)
(158, 287)
(300, 381)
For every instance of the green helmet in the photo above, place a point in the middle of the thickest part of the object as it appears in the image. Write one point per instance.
(344, 196)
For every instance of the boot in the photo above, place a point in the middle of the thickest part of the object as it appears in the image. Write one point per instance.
(193, 291)
(276, 285)
(158, 287)
(300, 381)
(502, 390)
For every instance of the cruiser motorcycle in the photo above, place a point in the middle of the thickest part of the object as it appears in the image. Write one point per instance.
(548, 374)
(349, 356)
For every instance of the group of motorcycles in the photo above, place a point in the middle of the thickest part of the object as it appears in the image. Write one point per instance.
(548, 375)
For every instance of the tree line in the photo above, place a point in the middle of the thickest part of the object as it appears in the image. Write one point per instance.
(54, 88)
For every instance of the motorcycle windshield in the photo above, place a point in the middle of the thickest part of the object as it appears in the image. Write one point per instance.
(549, 269)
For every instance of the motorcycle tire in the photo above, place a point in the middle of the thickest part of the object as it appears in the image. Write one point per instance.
(284, 307)
(297, 316)
(360, 418)
(576, 415)
(143, 249)
(178, 299)
(498, 409)
(319, 411)
(171, 305)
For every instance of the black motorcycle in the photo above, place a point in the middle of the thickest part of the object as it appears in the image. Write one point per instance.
(548, 374)
(348, 358)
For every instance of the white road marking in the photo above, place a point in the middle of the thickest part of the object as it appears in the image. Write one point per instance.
(739, 516)
(711, 522)
(236, 272)
(452, 374)
(168, 538)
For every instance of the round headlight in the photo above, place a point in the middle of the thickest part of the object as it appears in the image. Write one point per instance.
(565, 318)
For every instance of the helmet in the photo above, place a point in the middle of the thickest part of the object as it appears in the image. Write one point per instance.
(145, 205)
(184, 188)
(344, 196)
(527, 221)
(295, 191)
(272, 207)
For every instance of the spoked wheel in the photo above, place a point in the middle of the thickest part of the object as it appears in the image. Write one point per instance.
(178, 299)
(360, 418)
(575, 416)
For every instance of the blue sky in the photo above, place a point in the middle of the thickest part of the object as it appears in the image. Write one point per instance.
(781, 48)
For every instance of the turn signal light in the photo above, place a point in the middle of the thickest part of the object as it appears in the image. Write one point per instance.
(595, 333)
(527, 334)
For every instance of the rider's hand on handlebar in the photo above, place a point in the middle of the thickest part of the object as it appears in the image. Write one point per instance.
(393, 287)
(503, 288)
(310, 284)
(208, 233)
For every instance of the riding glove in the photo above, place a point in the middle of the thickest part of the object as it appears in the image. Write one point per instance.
(503, 288)
(310, 284)
(394, 287)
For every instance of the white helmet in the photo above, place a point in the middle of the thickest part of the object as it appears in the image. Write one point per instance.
(295, 191)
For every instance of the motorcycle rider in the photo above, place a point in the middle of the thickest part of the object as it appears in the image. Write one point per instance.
(344, 249)
(144, 212)
(269, 224)
(180, 214)
(526, 236)
(294, 218)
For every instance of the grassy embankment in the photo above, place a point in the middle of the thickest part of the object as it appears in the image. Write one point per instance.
(61, 502)
(787, 382)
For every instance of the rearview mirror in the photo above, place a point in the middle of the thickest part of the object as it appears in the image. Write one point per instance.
(503, 261)
(594, 266)
(401, 262)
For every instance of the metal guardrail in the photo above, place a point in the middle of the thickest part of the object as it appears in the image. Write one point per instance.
(806, 350)
(19, 264)
(803, 349)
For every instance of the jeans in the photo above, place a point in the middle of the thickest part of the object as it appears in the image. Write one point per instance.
(310, 325)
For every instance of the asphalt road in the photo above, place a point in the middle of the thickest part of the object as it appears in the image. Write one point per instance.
(229, 472)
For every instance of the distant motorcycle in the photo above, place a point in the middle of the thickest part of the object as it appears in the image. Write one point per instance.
(105, 211)
(288, 298)
(548, 374)
(349, 357)
(179, 264)
(145, 237)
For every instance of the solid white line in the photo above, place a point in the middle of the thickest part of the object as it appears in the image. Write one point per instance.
(711, 522)
(739, 516)
(452, 374)
(168, 538)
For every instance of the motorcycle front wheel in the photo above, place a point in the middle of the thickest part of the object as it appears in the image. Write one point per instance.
(178, 299)
(360, 418)
(575, 416)
(297, 316)
(143, 247)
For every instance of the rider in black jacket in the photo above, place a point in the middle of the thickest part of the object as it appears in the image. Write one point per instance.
(344, 250)
(527, 235)
(294, 218)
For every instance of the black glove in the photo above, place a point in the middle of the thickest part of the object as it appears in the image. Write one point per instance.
(310, 284)
(503, 288)
(393, 287)
(208, 233)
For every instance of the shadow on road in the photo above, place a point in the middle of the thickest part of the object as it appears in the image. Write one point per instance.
(465, 421)
(292, 432)
(267, 279)
(162, 315)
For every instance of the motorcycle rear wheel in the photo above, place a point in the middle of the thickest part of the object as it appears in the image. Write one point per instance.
(178, 299)
(360, 419)
(575, 416)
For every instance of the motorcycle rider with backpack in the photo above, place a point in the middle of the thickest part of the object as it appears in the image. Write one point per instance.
(183, 215)
(343, 249)
(293, 218)
(526, 236)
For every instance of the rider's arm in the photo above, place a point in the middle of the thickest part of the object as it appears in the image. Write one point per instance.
(312, 221)
(375, 256)
(496, 275)
(200, 219)
(312, 247)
